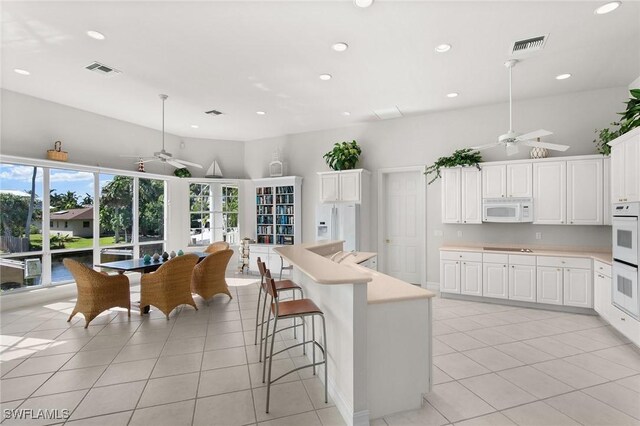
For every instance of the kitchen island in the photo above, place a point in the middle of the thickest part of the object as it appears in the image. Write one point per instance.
(379, 339)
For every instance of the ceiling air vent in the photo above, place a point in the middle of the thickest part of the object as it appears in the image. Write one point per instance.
(213, 112)
(102, 68)
(528, 45)
(387, 113)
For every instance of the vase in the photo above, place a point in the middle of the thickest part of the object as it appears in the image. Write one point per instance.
(165, 256)
(537, 152)
(156, 257)
(172, 254)
(146, 258)
(180, 252)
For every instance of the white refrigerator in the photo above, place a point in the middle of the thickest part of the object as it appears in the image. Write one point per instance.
(339, 222)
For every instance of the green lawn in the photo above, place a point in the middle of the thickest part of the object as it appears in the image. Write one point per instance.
(75, 243)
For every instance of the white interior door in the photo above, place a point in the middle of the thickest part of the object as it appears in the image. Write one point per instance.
(403, 225)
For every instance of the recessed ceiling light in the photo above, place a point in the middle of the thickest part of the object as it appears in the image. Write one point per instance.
(22, 72)
(363, 3)
(325, 77)
(346, 113)
(96, 35)
(340, 47)
(194, 126)
(563, 76)
(452, 95)
(607, 7)
(261, 113)
(441, 48)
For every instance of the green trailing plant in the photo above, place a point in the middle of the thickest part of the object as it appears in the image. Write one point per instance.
(629, 121)
(183, 172)
(465, 157)
(343, 156)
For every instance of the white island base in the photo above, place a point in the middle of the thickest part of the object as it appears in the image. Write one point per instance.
(378, 333)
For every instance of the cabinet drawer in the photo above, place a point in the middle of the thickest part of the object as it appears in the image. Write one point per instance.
(522, 259)
(467, 256)
(602, 268)
(564, 262)
(495, 258)
(625, 324)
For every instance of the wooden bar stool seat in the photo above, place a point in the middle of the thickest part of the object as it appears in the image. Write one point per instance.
(296, 308)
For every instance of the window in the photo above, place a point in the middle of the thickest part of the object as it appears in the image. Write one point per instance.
(213, 213)
(151, 222)
(86, 224)
(66, 224)
(50, 224)
(116, 213)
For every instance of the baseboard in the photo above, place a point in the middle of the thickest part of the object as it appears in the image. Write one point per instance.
(432, 285)
(520, 304)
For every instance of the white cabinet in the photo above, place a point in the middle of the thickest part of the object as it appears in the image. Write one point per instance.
(625, 174)
(471, 278)
(451, 195)
(522, 282)
(343, 186)
(601, 292)
(606, 192)
(585, 192)
(577, 288)
(272, 260)
(510, 180)
(549, 285)
(549, 192)
(495, 280)
(461, 195)
(450, 276)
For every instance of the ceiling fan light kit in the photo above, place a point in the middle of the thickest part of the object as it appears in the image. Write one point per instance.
(512, 140)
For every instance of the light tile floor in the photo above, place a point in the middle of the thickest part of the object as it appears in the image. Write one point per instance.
(493, 365)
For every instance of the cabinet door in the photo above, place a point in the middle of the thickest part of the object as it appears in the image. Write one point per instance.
(601, 293)
(471, 189)
(494, 280)
(577, 288)
(522, 283)
(617, 173)
(631, 160)
(471, 278)
(449, 276)
(584, 192)
(494, 181)
(549, 285)
(451, 195)
(350, 187)
(520, 180)
(329, 187)
(606, 191)
(549, 192)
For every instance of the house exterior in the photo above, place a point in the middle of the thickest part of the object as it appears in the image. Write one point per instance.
(72, 222)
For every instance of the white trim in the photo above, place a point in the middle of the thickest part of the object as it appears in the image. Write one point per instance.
(422, 218)
(541, 160)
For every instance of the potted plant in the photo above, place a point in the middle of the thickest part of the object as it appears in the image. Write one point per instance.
(343, 156)
(182, 173)
(630, 120)
(465, 157)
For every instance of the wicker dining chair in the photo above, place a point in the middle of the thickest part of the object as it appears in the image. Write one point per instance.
(97, 291)
(208, 277)
(169, 286)
(217, 246)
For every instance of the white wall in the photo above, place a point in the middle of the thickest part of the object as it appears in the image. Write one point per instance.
(420, 140)
(31, 125)
(635, 84)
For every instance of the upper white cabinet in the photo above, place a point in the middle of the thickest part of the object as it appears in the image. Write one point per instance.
(585, 192)
(507, 180)
(343, 186)
(625, 173)
(606, 193)
(549, 192)
(461, 195)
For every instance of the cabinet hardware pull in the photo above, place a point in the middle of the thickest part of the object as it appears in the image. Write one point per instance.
(623, 318)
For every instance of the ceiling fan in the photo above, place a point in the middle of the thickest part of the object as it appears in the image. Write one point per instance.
(163, 155)
(512, 140)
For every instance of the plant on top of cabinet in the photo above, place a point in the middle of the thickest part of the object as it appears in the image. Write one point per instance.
(630, 120)
(182, 172)
(343, 156)
(465, 157)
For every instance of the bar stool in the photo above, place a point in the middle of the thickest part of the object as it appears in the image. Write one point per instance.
(292, 309)
(284, 268)
(282, 285)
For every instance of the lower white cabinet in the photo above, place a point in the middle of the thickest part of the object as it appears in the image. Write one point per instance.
(601, 293)
(549, 285)
(450, 276)
(471, 278)
(522, 283)
(495, 280)
(577, 288)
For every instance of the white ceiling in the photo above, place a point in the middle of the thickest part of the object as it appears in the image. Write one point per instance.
(241, 57)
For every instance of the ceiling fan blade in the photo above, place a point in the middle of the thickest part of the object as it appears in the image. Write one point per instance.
(533, 135)
(137, 156)
(512, 149)
(148, 160)
(187, 163)
(486, 146)
(552, 146)
(175, 164)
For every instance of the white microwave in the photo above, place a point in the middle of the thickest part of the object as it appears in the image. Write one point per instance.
(509, 210)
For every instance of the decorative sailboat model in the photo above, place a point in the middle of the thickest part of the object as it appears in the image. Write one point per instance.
(214, 170)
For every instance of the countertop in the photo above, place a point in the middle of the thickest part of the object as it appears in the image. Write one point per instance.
(384, 289)
(602, 256)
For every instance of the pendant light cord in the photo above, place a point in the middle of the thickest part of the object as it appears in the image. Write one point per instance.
(510, 102)
(163, 99)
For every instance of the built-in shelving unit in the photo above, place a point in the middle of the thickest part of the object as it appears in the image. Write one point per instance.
(278, 210)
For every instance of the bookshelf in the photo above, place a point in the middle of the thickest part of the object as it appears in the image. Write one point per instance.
(278, 210)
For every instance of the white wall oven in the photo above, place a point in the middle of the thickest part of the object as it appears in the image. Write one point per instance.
(626, 239)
